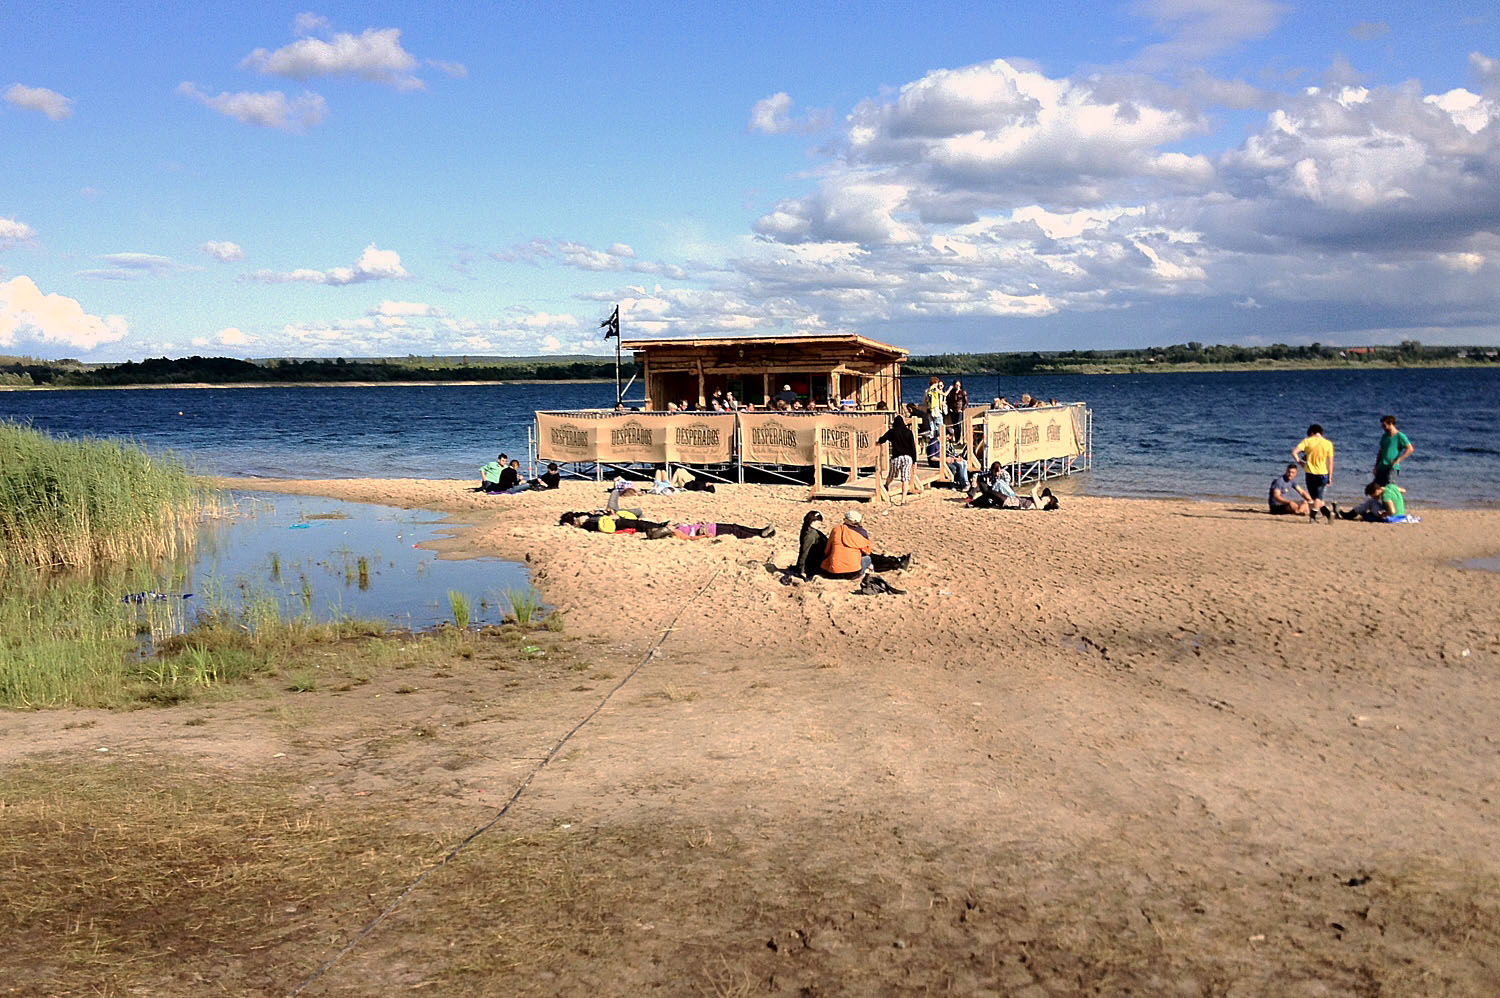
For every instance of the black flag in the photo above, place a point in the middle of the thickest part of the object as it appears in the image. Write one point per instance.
(611, 326)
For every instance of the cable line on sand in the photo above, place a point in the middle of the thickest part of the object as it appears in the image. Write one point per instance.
(411, 887)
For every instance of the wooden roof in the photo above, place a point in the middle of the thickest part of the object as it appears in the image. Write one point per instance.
(845, 340)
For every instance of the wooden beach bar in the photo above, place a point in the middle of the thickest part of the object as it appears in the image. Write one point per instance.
(790, 408)
(755, 369)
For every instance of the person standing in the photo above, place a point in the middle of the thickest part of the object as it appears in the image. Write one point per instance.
(903, 453)
(935, 401)
(1394, 448)
(957, 402)
(1315, 456)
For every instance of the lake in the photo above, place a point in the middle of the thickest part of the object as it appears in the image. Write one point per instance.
(1219, 435)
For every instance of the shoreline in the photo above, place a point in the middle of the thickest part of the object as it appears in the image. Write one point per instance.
(1083, 371)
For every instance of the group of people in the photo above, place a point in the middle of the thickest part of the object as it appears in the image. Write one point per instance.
(503, 475)
(785, 400)
(1384, 500)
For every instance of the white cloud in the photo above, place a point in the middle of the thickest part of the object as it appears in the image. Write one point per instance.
(12, 231)
(270, 109)
(1197, 29)
(375, 54)
(133, 266)
(28, 315)
(223, 252)
(374, 264)
(228, 337)
(403, 308)
(51, 103)
(773, 116)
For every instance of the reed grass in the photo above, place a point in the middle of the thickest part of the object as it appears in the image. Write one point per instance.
(458, 602)
(525, 605)
(81, 503)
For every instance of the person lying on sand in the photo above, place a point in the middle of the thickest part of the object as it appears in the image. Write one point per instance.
(699, 531)
(614, 521)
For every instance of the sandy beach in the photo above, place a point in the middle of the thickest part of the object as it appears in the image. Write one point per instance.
(1145, 747)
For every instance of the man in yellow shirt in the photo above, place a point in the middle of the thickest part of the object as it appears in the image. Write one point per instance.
(1315, 455)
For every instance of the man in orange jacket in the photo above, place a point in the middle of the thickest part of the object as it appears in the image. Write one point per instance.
(847, 555)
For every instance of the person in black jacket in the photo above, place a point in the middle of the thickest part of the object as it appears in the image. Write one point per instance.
(813, 544)
(903, 453)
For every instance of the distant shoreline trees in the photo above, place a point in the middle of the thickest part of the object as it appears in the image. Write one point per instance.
(27, 372)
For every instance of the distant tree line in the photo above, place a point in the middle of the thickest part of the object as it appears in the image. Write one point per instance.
(69, 373)
(227, 370)
(1410, 352)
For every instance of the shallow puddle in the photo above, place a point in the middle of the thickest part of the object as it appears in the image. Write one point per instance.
(332, 559)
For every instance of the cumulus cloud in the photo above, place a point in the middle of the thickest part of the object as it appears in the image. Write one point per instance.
(270, 109)
(49, 102)
(997, 191)
(376, 55)
(616, 258)
(374, 264)
(224, 252)
(13, 231)
(230, 336)
(29, 316)
(773, 116)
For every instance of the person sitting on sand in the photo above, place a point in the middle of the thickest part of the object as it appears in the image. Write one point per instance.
(991, 489)
(510, 479)
(1393, 498)
(549, 479)
(1372, 510)
(1286, 496)
(847, 553)
(813, 548)
(489, 475)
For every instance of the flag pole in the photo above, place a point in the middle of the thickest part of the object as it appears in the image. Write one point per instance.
(619, 394)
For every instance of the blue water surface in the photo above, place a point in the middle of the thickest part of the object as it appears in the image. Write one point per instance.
(1208, 435)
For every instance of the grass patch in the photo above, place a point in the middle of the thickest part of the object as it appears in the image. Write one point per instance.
(459, 604)
(103, 864)
(525, 606)
(81, 503)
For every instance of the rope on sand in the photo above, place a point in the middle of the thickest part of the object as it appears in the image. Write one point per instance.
(396, 903)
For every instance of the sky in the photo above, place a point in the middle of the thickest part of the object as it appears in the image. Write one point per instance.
(493, 179)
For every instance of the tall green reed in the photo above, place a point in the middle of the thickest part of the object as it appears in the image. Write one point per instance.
(78, 503)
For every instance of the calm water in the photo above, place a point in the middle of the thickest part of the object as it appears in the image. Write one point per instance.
(335, 559)
(1215, 435)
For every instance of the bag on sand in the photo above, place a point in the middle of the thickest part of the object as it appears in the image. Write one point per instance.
(874, 585)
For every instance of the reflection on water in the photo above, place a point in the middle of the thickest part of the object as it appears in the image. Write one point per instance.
(334, 559)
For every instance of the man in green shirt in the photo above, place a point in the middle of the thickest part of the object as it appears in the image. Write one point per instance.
(1393, 498)
(1394, 448)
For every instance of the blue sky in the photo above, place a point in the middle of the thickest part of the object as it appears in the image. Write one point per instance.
(358, 180)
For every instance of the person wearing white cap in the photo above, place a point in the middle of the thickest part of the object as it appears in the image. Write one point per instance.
(848, 552)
